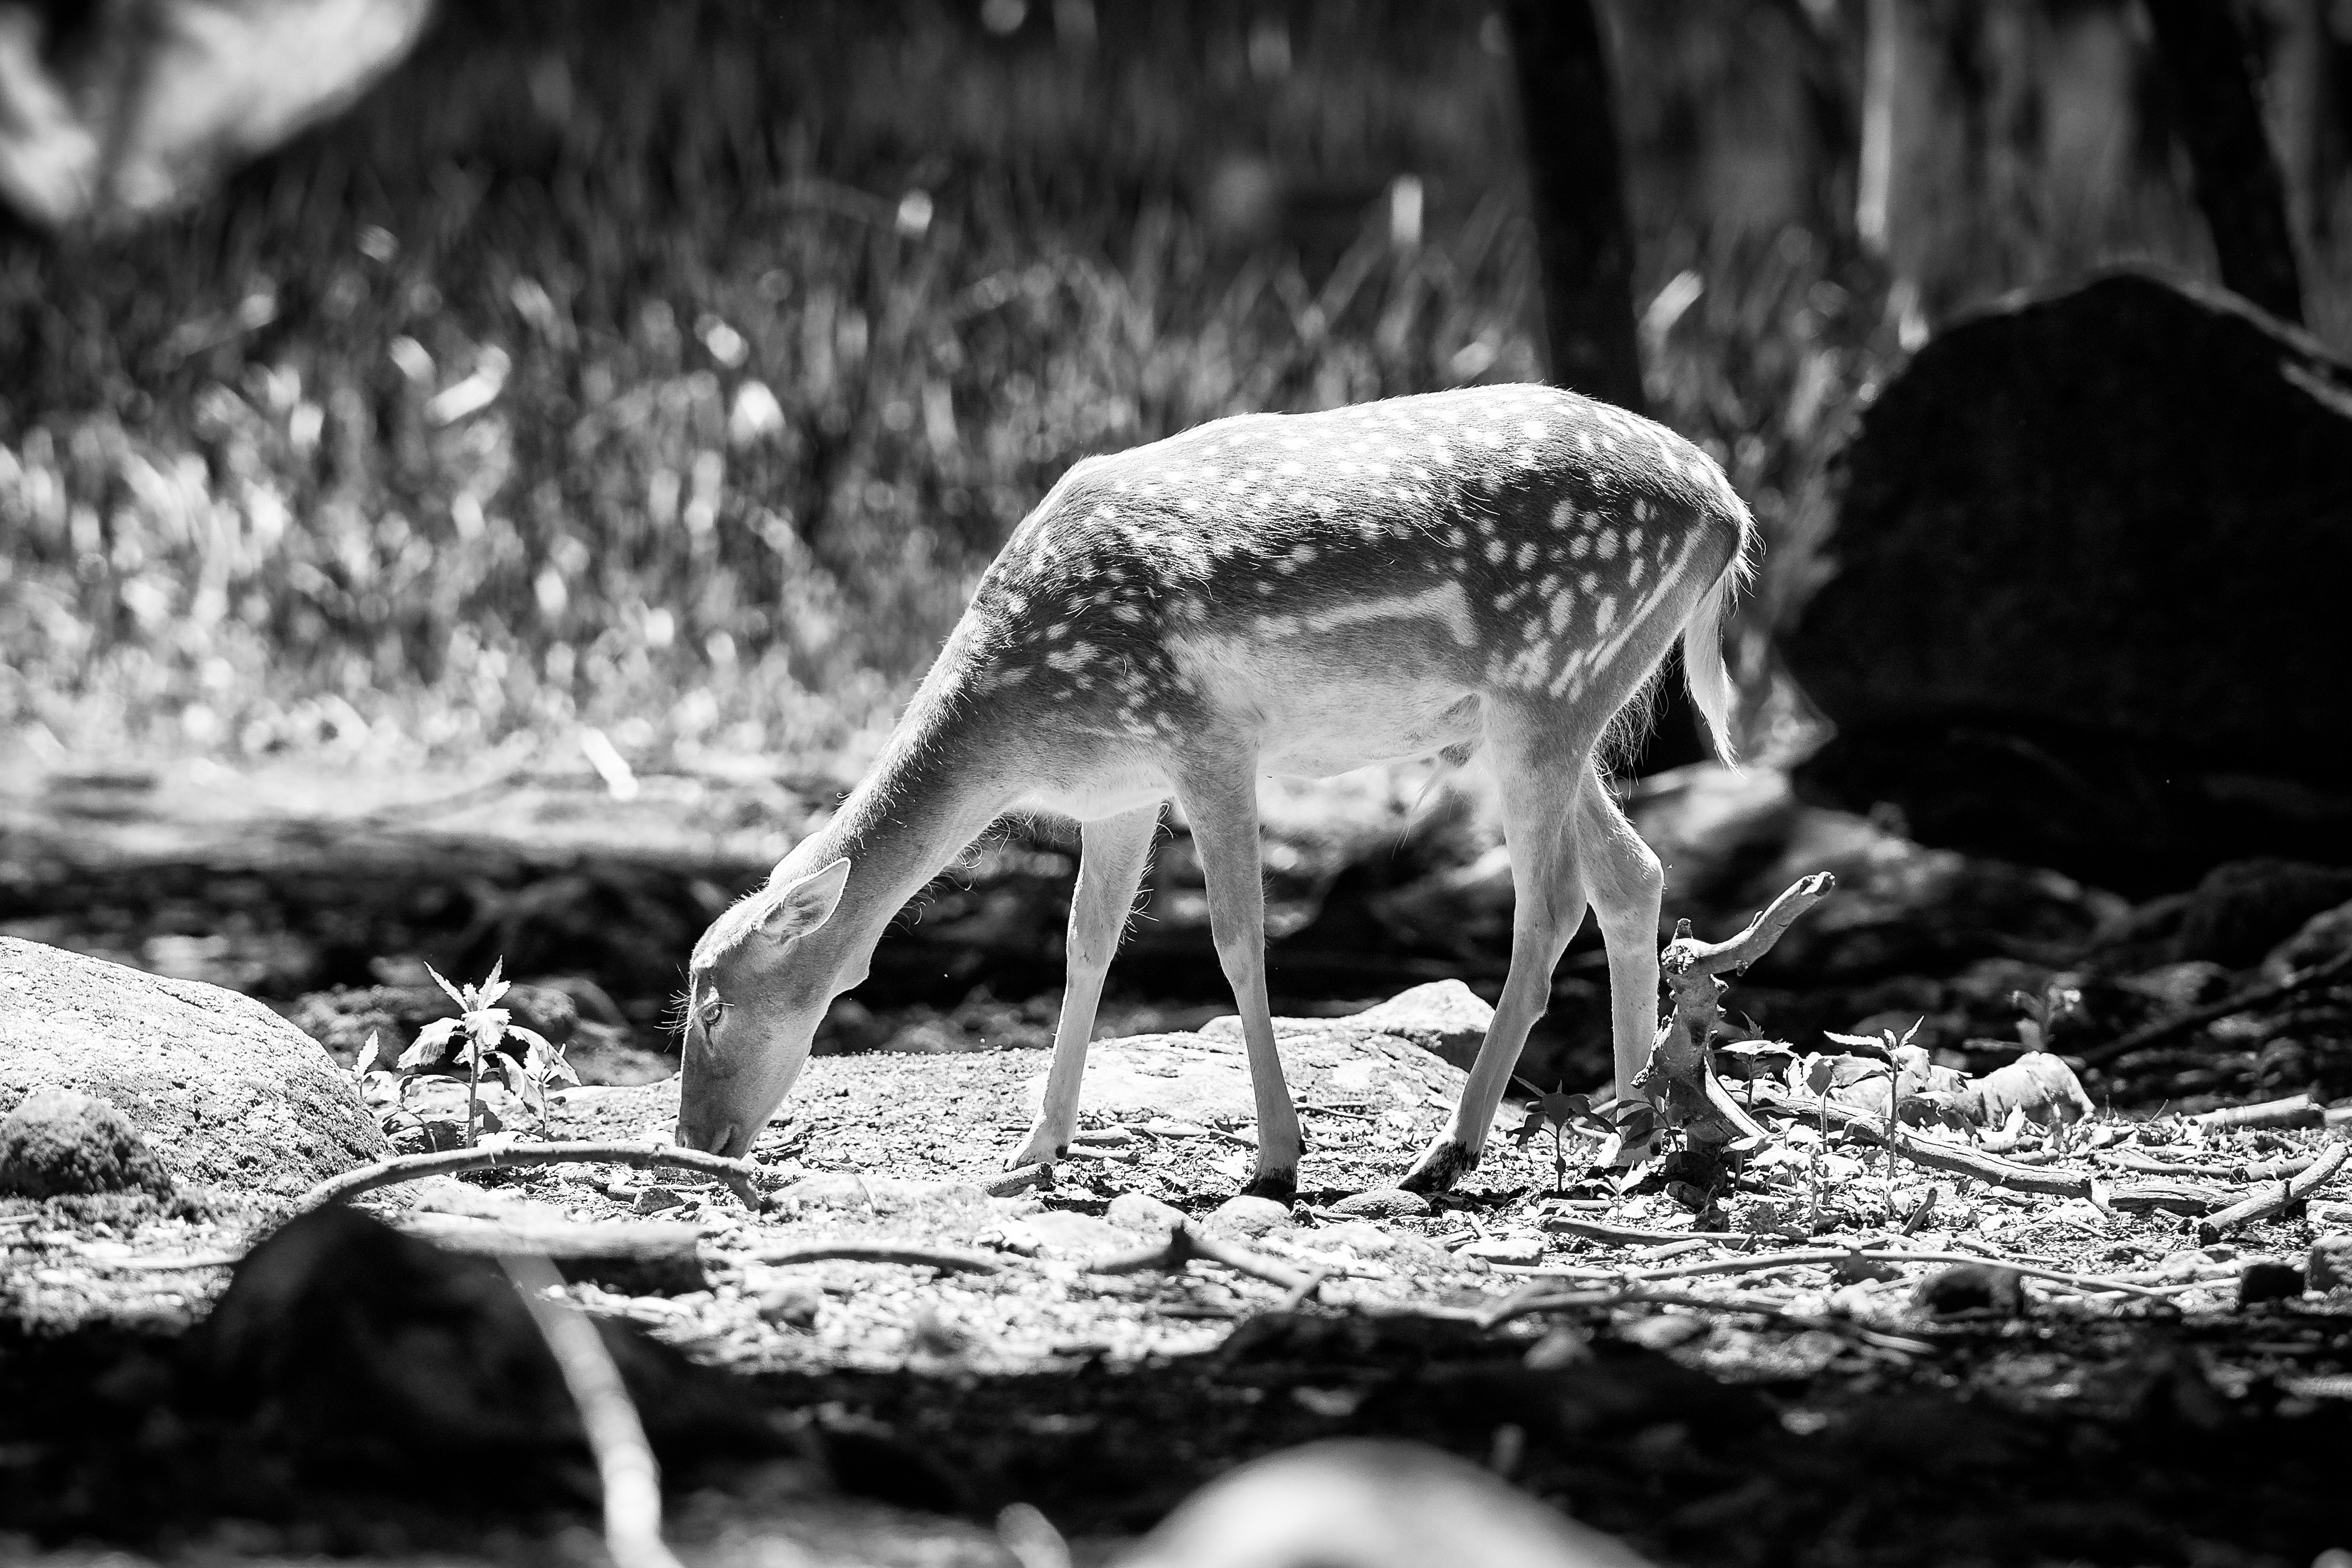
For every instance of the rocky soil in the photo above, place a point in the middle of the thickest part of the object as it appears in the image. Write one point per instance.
(1826, 1356)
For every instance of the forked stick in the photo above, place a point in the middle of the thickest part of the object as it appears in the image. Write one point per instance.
(1690, 1097)
(1185, 1243)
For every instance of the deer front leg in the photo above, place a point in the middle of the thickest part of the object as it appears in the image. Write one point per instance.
(1222, 809)
(1548, 908)
(1111, 857)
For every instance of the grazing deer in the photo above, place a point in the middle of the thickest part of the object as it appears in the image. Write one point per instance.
(1500, 568)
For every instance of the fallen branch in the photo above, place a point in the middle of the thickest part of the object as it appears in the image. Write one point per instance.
(2294, 1110)
(1756, 940)
(1680, 1077)
(1019, 1179)
(625, 1460)
(2179, 1197)
(2288, 1193)
(1626, 1235)
(1305, 1289)
(1529, 1301)
(736, 1174)
(2156, 1034)
(1184, 1244)
(940, 1258)
(1938, 1155)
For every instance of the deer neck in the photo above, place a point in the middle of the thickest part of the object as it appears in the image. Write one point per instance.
(936, 787)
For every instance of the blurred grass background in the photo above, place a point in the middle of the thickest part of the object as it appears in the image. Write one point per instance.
(677, 370)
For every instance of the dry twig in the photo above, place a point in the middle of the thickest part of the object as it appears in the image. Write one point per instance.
(940, 1258)
(737, 1173)
(1184, 1244)
(2294, 1110)
(2262, 1205)
(1534, 1299)
(1938, 1155)
(625, 1460)
(1021, 1178)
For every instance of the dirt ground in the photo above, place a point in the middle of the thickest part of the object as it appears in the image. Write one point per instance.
(1793, 1373)
(1810, 1410)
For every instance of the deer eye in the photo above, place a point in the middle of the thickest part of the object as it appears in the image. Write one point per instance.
(707, 1011)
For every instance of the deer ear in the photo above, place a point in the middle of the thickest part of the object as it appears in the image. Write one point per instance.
(806, 904)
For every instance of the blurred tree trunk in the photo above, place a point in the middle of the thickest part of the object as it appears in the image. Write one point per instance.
(1584, 241)
(2209, 76)
(1584, 250)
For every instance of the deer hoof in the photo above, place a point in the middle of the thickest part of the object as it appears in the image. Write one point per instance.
(1036, 1154)
(1281, 1186)
(1441, 1166)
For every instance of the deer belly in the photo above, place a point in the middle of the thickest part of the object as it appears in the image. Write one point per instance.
(1327, 705)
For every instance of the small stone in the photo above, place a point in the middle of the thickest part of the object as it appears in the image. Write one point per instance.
(1383, 1203)
(2330, 1262)
(2265, 1279)
(1971, 1288)
(654, 1200)
(60, 1142)
(1138, 1211)
(1565, 1345)
(1399, 1248)
(1506, 1250)
(1665, 1331)
(789, 1303)
(1247, 1216)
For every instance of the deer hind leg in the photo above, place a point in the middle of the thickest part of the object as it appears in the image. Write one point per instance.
(1542, 774)
(1111, 857)
(1625, 882)
(1221, 803)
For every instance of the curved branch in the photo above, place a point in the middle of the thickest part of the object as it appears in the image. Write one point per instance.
(737, 1173)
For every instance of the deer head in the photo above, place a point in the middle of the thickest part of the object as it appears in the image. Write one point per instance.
(759, 983)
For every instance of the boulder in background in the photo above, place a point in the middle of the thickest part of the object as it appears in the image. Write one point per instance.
(2085, 613)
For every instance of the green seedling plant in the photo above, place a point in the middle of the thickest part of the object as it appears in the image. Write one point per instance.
(1887, 1041)
(384, 1091)
(483, 1025)
(1560, 1113)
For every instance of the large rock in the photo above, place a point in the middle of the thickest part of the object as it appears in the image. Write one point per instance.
(61, 1142)
(1384, 1057)
(2089, 548)
(225, 1092)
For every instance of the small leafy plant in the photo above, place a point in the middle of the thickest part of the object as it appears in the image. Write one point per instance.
(384, 1092)
(1893, 1045)
(1560, 1113)
(483, 1025)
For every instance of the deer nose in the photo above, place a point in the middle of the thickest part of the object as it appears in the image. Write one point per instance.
(718, 1141)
